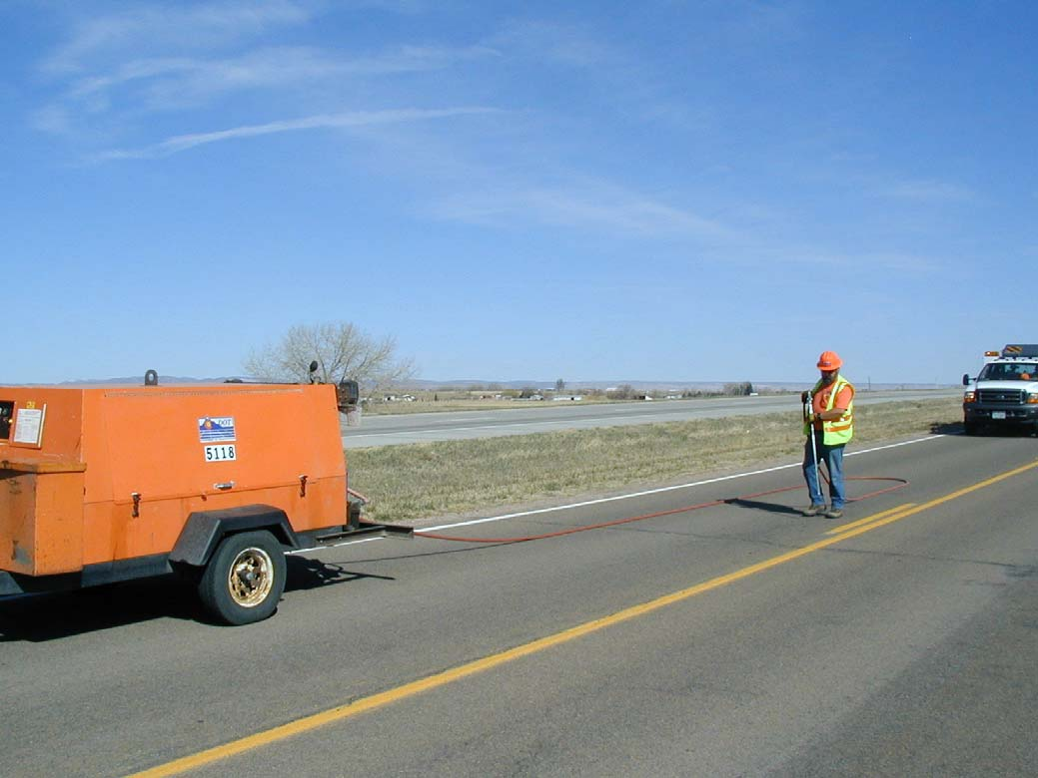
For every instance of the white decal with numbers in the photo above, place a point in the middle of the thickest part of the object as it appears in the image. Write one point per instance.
(225, 453)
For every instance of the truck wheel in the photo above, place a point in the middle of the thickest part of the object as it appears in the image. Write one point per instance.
(244, 580)
(972, 428)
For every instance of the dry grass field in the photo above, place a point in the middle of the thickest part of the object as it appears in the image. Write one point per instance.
(410, 483)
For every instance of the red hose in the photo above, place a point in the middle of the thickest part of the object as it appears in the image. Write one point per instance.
(900, 483)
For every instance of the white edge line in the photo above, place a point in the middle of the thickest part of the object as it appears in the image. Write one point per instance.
(656, 491)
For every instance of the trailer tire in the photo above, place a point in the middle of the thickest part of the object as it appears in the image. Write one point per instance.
(245, 578)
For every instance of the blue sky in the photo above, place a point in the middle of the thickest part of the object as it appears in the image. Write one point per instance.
(659, 190)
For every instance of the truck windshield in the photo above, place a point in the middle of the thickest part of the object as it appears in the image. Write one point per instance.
(1017, 371)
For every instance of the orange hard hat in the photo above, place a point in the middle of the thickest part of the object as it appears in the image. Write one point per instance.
(829, 360)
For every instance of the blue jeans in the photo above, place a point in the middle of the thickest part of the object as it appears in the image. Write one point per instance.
(833, 458)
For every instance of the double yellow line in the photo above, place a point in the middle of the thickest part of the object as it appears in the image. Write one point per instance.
(893, 514)
(343, 712)
(910, 509)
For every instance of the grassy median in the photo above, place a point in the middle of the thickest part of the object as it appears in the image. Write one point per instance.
(451, 478)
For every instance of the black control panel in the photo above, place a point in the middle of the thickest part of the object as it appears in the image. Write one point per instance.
(6, 415)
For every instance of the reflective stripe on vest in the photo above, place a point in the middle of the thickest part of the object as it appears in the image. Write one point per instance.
(838, 431)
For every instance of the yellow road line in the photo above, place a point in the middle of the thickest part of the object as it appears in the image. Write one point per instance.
(868, 519)
(939, 501)
(343, 712)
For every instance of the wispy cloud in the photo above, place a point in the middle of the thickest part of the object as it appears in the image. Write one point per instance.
(924, 191)
(605, 209)
(182, 143)
(850, 263)
(900, 261)
(608, 209)
(202, 26)
(173, 83)
(570, 45)
(606, 70)
(115, 69)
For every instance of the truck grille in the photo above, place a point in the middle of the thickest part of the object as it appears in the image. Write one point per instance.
(1001, 396)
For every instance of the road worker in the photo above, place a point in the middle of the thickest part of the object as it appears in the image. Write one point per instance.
(829, 426)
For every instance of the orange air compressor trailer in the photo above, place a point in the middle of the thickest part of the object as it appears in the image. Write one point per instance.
(212, 482)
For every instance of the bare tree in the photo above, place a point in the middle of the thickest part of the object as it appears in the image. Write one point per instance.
(622, 392)
(340, 350)
(740, 390)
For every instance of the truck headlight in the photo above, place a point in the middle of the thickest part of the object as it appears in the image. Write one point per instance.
(1031, 398)
(969, 397)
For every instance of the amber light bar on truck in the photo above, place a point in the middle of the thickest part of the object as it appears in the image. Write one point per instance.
(1017, 350)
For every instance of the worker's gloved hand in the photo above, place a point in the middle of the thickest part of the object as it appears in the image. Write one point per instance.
(803, 397)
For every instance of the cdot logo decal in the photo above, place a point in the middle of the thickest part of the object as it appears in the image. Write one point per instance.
(216, 428)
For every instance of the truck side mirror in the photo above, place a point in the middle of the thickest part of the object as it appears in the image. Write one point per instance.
(965, 379)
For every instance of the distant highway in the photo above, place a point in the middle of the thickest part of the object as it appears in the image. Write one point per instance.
(387, 430)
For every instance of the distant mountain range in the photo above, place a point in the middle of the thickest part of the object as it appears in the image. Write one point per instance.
(653, 386)
(139, 381)
(571, 386)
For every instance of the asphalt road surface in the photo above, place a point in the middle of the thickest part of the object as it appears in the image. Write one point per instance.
(740, 638)
(386, 430)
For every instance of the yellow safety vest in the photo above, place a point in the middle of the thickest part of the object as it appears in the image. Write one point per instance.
(838, 431)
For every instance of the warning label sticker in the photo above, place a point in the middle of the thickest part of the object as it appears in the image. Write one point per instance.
(213, 428)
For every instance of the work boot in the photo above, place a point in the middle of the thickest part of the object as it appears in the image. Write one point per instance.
(814, 510)
(834, 513)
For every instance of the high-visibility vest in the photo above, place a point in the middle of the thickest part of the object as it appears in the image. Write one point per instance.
(838, 431)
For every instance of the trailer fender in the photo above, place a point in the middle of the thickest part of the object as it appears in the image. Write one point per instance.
(204, 530)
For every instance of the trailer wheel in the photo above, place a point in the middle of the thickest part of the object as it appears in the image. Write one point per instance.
(244, 579)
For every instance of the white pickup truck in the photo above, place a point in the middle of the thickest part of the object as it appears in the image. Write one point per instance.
(1005, 392)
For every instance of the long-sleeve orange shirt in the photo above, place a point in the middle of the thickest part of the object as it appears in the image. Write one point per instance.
(820, 401)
